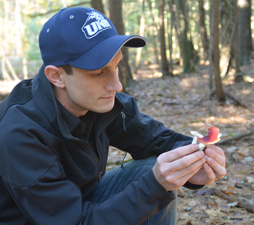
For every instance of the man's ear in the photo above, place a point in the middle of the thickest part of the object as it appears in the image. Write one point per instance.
(53, 74)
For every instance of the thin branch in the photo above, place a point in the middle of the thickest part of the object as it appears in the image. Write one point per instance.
(228, 140)
(238, 102)
(231, 198)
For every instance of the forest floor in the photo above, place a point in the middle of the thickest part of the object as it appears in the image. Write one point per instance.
(183, 104)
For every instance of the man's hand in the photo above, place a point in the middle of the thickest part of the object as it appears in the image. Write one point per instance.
(213, 169)
(174, 168)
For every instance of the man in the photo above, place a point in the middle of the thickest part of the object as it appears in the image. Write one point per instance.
(56, 130)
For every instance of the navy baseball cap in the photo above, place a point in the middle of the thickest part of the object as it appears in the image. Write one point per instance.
(83, 38)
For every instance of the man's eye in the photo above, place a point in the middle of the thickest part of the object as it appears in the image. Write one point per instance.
(98, 74)
(120, 64)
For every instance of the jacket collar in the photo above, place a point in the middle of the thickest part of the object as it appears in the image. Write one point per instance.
(44, 97)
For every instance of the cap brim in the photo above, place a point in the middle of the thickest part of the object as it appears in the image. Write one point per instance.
(104, 52)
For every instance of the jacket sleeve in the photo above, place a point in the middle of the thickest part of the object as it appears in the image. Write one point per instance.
(141, 135)
(37, 183)
(54, 200)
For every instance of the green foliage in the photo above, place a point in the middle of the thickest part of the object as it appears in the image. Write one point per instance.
(33, 14)
(33, 28)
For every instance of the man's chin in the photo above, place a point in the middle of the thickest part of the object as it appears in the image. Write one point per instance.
(105, 109)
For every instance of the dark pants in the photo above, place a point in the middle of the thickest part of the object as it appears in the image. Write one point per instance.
(116, 180)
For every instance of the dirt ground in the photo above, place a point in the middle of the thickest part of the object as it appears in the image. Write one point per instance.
(182, 103)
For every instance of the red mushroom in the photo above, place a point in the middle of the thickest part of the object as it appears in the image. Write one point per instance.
(212, 137)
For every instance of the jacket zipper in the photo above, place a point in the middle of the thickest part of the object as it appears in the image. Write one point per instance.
(98, 162)
(123, 116)
(100, 176)
(124, 129)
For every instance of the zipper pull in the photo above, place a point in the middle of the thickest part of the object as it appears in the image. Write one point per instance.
(123, 159)
(100, 176)
(123, 116)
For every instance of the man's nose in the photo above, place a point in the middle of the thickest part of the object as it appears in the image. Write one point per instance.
(114, 83)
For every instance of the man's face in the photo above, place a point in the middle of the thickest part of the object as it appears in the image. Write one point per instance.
(87, 90)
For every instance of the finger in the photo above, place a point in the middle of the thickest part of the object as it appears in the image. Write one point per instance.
(191, 174)
(216, 149)
(218, 169)
(195, 159)
(173, 184)
(181, 165)
(178, 153)
(212, 153)
(210, 174)
(187, 170)
(184, 173)
(168, 177)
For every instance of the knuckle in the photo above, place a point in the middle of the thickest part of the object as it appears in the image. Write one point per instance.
(178, 183)
(170, 180)
(174, 182)
(160, 159)
(185, 162)
(180, 152)
(165, 171)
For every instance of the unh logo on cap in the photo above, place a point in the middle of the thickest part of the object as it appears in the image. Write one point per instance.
(94, 24)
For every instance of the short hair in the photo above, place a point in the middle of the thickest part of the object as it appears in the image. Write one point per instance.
(68, 69)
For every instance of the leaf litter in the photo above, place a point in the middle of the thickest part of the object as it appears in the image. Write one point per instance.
(183, 104)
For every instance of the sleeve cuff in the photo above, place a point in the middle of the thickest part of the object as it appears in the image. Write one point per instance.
(158, 190)
(192, 186)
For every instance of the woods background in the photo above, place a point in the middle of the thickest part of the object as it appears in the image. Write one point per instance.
(189, 33)
(195, 71)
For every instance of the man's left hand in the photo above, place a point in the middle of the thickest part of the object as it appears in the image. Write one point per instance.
(213, 169)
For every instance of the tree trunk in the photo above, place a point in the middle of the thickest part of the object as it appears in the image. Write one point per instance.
(232, 57)
(164, 61)
(98, 5)
(185, 42)
(211, 50)
(216, 56)
(141, 33)
(235, 49)
(244, 32)
(154, 32)
(227, 35)
(115, 10)
(203, 31)
(170, 38)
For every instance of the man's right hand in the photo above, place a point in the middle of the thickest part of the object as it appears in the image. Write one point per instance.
(174, 168)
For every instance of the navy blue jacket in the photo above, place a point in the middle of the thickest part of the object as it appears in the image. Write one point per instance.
(45, 172)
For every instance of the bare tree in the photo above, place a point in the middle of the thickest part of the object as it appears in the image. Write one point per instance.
(227, 34)
(203, 31)
(216, 54)
(164, 61)
(183, 34)
(235, 43)
(115, 10)
(155, 27)
(98, 5)
(141, 33)
(244, 32)
(170, 36)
